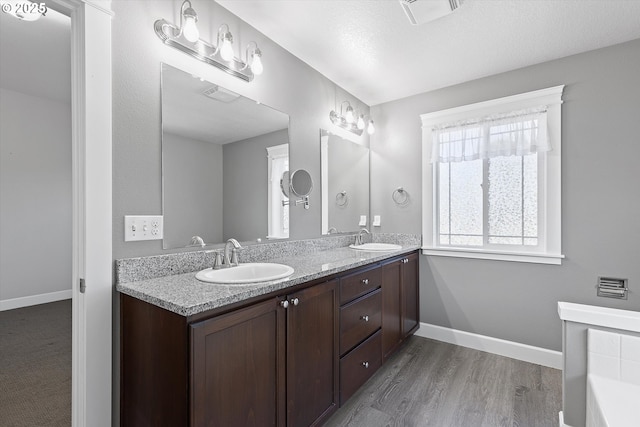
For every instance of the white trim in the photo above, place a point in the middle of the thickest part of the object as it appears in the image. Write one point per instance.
(561, 420)
(91, 105)
(12, 303)
(550, 177)
(514, 350)
(600, 316)
(530, 257)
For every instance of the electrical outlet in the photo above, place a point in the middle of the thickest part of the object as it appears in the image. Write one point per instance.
(143, 227)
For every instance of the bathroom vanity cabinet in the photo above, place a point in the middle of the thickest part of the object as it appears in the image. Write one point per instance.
(400, 286)
(286, 360)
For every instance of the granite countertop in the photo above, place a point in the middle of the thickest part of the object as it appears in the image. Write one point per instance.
(185, 295)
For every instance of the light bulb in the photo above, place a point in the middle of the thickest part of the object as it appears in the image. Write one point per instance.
(190, 30)
(349, 115)
(360, 123)
(371, 129)
(226, 50)
(256, 64)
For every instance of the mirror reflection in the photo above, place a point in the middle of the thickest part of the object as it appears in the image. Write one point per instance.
(223, 157)
(345, 184)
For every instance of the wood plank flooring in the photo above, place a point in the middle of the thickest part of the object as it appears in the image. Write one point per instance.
(431, 383)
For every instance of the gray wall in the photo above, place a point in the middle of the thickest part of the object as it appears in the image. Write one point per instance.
(287, 84)
(600, 205)
(245, 186)
(35, 195)
(192, 192)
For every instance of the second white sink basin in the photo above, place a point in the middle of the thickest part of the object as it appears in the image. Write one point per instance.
(376, 247)
(245, 273)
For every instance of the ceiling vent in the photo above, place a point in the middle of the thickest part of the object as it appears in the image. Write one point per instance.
(220, 94)
(421, 11)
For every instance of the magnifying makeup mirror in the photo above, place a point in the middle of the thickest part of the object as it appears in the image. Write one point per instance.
(301, 185)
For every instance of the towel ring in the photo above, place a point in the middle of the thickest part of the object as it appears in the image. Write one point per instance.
(342, 199)
(400, 196)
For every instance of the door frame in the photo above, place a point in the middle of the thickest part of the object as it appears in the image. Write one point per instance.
(92, 256)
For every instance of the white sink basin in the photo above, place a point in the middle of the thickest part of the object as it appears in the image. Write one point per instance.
(245, 273)
(376, 247)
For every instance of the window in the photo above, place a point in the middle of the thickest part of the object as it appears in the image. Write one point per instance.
(491, 179)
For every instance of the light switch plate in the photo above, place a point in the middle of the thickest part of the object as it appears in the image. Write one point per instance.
(376, 220)
(143, 227)
(363, 221)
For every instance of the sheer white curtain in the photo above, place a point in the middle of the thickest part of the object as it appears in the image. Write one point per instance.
(513, 134)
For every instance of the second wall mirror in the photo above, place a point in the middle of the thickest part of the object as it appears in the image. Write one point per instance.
(344, 167)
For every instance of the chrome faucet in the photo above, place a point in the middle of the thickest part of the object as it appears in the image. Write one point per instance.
(359, 236)
(231, 261)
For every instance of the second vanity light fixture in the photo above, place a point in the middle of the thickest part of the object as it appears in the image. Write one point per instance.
(351, 120)
(186, 38)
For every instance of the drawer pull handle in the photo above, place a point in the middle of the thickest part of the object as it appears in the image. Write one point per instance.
(295, 301)
(284, 304)
(365, 364)
(365, 281)
(365, 318)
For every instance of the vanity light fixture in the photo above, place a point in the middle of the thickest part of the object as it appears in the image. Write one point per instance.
(186, 39)
(348, 120)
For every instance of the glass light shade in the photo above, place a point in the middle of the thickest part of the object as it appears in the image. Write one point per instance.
(256, 64)
(349, 115)
(371, 129)
(190, 30)
(226, 50)
(360, 123)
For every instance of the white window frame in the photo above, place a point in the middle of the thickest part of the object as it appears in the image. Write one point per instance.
(275, 197)
(549, 175)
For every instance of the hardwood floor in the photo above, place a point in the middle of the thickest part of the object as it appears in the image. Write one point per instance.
(431, 383)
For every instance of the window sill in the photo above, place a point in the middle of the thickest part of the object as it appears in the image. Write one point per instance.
(536, 258)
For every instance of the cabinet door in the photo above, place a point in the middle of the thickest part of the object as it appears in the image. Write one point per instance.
(410, 295)
(312, 354)
(238, 368)
(391, 316)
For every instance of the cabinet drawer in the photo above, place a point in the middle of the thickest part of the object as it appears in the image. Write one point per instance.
(358, 284)
(358, 366)
(359, 319)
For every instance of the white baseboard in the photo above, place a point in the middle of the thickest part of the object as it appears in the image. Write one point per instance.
(10, 304)
(515, 350)
(561, 420)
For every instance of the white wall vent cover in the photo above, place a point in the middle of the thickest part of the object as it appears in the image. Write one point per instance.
(421, 11)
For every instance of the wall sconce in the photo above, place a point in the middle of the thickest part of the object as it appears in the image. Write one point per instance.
(186, 38)
(349, 122)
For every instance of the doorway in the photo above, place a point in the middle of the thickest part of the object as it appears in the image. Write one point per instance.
(91, 235)
(35, 220)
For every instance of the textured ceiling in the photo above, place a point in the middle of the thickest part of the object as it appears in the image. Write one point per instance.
(369, 48)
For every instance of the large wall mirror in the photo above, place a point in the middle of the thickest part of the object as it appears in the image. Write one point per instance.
(223, 158)
(344, 169)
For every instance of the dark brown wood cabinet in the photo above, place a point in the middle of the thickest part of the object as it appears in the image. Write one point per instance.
(240, 375)
(277, 360)
(312, 355)
(237, 363)
(401, 305)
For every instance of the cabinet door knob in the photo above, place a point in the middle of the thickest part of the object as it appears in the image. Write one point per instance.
(284, 304)
(365, 318)
(365, 364)
(365, 281)
(295, 301)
